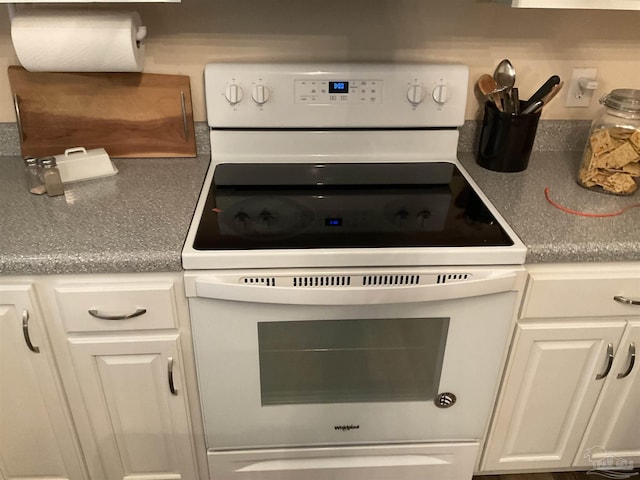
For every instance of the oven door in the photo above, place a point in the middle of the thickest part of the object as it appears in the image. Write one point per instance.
(303, 359)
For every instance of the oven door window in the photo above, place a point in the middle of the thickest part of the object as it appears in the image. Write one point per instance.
(339, 361)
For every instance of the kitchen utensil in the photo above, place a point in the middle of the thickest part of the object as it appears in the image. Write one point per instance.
(533, 107)
(505, 77)
(554, 91)
(505, 74)
(538, 104)
(487, 85)
(127, 114)
(542, 91)
(515, 99)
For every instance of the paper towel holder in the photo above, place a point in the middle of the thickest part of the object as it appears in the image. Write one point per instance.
(141, 33)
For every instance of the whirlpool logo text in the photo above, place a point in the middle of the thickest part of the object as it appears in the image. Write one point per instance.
(346, 428)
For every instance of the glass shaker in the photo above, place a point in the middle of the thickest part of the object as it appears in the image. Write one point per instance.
(611, 159)
(51, 177)
(32, 172)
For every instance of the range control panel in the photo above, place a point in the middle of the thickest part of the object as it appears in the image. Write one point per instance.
(335, 95)
(328, 92)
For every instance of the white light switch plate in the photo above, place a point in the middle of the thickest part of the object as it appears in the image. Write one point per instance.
(577, 97)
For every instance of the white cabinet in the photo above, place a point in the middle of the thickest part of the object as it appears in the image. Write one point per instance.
(134, 394)
(614, 430)
(549, 393)
(37, 437)
(561, 396)
(576, 4)
(121, 354)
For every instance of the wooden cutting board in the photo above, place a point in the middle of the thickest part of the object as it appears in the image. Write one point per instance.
(127, 114)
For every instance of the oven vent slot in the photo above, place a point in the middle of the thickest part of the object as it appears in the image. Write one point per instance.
(264, 281)
(453, 277)
(322, 281)
(382, 280)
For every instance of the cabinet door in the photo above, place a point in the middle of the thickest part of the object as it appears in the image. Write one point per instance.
(613, 435)
(548, 394)
(37, 438)
(141, 426)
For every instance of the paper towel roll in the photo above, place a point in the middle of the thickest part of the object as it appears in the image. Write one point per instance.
(78, 41)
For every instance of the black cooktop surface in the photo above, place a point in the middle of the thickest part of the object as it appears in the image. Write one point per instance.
(341, 205)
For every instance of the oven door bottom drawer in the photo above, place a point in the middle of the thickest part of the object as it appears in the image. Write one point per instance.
(429, 461)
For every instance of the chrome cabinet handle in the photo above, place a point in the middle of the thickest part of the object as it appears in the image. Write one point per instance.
(25, 332)
(172, 387)
(627, 301)
(632, 361)
(607, 369)
(103, 316)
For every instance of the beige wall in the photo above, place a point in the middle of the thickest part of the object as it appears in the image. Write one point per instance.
(183, 37)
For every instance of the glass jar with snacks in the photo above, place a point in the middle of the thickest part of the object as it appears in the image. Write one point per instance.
(611, 160)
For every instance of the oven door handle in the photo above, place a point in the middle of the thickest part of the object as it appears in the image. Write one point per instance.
(211, 287)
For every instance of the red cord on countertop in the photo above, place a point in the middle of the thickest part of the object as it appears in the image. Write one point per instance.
(586, 214)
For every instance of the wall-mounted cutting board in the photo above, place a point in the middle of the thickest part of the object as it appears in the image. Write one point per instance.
(127, 114)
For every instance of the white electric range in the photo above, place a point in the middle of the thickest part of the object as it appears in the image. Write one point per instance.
(352, 291)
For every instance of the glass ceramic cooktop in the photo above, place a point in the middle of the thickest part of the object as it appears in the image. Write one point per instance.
(285, 206)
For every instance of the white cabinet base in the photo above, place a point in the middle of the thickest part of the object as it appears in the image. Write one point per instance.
(613, 435)
(549, 394)
(142, 428)
(37, 438)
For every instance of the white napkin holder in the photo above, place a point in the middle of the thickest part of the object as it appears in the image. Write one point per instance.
(77, 164)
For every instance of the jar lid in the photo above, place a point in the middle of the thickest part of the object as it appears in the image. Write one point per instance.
(48, 162)
(625, 99)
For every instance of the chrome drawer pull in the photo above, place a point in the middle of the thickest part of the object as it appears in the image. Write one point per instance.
(25, 332)
(102, 316)
(172, 387)
(627, 301)
(632, 361)
(607, 369)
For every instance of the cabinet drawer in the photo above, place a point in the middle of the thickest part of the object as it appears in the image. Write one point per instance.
(581, 291)
(121, 306)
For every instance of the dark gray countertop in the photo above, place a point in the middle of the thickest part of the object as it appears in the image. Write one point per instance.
(550, 234)
(136, 221)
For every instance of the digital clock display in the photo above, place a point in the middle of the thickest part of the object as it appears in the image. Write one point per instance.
(333, 222)
(338, 87)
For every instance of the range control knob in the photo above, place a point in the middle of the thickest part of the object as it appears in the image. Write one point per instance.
(233, 93)
(441, 93)
(260, 94)
(415, 94)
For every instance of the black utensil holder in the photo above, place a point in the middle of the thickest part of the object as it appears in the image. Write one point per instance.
(506, 139)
